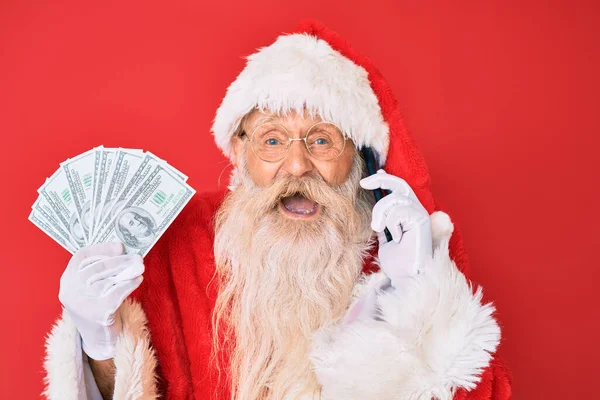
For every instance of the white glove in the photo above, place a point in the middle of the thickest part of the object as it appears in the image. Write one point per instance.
(95, 283)
(408, 221)
(411, 249)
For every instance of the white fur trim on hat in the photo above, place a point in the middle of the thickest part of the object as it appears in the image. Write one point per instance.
(302, 72)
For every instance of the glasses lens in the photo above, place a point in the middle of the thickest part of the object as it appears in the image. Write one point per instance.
(325, 141)
(270, 142)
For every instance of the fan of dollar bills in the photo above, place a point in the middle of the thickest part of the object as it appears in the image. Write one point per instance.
(108, 195)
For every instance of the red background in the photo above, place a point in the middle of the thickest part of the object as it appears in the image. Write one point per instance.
(501, 96)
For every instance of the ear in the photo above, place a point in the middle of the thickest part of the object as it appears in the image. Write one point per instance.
(237, 148)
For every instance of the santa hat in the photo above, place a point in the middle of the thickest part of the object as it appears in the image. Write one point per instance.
(313, 68)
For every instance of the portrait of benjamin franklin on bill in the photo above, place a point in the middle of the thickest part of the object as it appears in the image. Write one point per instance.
(135, 227)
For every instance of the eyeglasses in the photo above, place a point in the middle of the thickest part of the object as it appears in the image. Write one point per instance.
(271, 142)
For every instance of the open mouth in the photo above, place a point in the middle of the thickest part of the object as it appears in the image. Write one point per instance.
(298, 206)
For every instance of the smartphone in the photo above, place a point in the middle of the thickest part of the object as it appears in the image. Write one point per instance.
(371, 163)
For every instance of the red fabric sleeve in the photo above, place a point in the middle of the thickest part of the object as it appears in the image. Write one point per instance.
(174, 295)
(495, 384)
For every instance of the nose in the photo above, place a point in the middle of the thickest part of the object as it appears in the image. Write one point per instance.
(297, 162)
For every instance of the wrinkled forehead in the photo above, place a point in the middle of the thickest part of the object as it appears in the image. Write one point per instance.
(289, 119)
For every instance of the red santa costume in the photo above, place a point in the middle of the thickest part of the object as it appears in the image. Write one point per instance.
(442, 339)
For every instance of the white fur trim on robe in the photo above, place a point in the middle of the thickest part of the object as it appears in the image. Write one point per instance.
(433, 336)
(134, 360)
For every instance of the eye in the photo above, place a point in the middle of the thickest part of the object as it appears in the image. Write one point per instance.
(272, 142)
(321, 141)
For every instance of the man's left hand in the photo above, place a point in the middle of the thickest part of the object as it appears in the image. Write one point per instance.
(408, 221)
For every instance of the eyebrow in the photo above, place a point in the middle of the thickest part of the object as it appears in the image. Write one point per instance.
(265, 119)
(262, 120)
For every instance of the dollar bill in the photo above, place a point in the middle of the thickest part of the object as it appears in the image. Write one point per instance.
(57, 192)
(111, 194)
(79, 172)
(44, 211)
(180, 174)
(102, 169)
(43, 224)
(149, 162)
(147, 213)
(124, 166)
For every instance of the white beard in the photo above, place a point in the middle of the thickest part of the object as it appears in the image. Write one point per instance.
(281, 279)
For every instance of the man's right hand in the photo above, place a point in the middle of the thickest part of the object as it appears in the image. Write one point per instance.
(95, 283)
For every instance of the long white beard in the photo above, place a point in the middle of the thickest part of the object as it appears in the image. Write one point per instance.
(281, 279)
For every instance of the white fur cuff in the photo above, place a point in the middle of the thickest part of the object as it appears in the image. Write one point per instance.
(135, 361)
(434, 336)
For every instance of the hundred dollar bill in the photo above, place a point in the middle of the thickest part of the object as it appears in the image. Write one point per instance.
(147, 214)
(57, 192)
(149, 162)
(39, 221)
(180, 174)
(125, 164)
(79, 172)
(102, 170)
(45, 212)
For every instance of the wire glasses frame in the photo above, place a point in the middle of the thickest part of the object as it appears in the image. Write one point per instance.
(280, 156)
